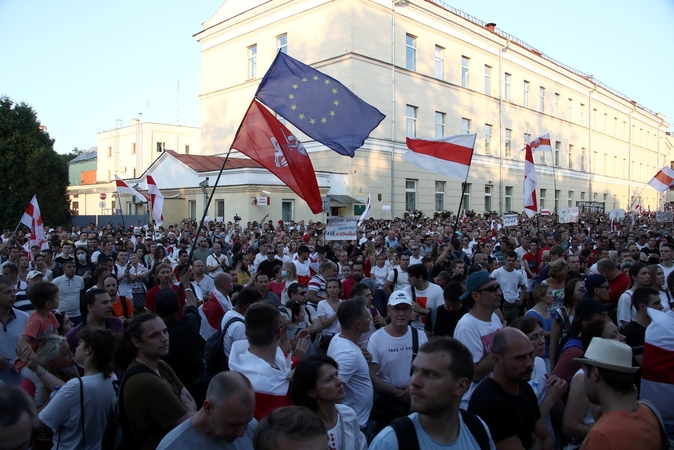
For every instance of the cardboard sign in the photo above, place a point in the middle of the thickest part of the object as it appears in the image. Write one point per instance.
(664, 216)
(568, 215)
(616, 214)
(510, 220)
(591, 207)
(341, 228)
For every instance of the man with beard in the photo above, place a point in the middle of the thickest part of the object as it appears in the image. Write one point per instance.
(505, 400)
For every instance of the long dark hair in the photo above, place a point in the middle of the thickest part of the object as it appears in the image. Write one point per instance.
(305, 378)
(126, 351)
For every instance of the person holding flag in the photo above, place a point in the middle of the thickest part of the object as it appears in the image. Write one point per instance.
(32, 218)
(156, 200)
(530, 182)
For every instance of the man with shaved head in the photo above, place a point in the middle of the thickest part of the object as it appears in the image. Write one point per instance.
(224, 422)
(505, 400)
(217, 305)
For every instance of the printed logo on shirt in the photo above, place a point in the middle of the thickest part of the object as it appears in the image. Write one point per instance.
(487, 340)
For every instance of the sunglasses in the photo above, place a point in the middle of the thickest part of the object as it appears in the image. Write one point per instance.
(494, 288)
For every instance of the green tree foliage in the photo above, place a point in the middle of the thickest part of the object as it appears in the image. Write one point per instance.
(30, 166)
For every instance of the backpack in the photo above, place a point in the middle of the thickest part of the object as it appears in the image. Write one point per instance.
(667, 444)
(407, 434)
(117, 435)
(214, 350)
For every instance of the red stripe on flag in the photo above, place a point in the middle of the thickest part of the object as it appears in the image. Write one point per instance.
(442, 150)
(657, 364)
(664, 179)
(120, 183)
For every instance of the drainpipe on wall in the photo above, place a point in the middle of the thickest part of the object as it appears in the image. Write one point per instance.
(501, 198)
(589, 144)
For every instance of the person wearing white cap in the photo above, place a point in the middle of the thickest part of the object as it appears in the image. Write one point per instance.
(393, 348)
(625, 423)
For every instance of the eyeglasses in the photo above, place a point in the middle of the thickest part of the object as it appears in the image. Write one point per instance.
(494, 288)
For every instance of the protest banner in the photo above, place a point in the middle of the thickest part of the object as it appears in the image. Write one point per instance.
(568, 215)
(616, 214)
(510, 220)
(341, 228)
(664, 216)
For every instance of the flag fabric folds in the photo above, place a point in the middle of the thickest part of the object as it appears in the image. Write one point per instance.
(530, 184)
(264, 139)
(541, 144)
(663, 180)
(156, 199)
(366, 213)
(449, 156)
(32, 218)
(657, 366)
(123, 188)
(320, 106)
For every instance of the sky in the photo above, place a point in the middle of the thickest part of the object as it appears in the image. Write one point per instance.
(83, 65)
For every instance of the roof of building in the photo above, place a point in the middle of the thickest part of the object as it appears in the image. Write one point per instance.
(87, 155)
(202, 163)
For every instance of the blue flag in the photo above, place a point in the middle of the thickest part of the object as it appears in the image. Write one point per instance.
(322, 107)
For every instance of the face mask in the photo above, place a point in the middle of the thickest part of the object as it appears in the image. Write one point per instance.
(81, 257)
(284, 274)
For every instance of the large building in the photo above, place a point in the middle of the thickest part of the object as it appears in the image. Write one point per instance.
(435, 71)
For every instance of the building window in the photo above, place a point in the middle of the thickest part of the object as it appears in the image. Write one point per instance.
(287, 210)
(582, 196)
(439, 62)
(192, 206)
(558, 146)
(410, 52)
(525, 95)
(605, 164)
(557, 200)
(605, 198)
(187, 149)
(582, 159)
(133, 148)
(76, 208)
(161, 146)
(465, 71)
(543, 159)
(570, 110)
(410, 195)
(570, 156)
(615, 126)
(541, 198)
(109, 152)
(509, 198)
(219, 209)
(439, 195)
(508, 143)
(439, 124)
(615, 166)
(541, 95)
(487, 139)
(624, 129)
(570, 199)
(465, 126)
(411, 121)
(487, 80)
(593, 168)
(594, 119)
(487, 198)
(252, 61)
(282, 43)
(506, 88)
(465, 188)
(556, 111)
(605, 123)
(582, 114)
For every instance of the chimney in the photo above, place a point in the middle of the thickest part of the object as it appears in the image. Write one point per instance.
(490, 26)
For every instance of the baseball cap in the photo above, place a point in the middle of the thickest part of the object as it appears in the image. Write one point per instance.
(399, 298)
(34, 273)
(588, 306)
(475, 280)
(594, 281)
(321, 249)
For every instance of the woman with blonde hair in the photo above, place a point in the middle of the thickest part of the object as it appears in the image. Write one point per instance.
(543, 297)
(558, 271)
(289, 275)
(369, 258)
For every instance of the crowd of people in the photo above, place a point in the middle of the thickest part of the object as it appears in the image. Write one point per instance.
(419, 333)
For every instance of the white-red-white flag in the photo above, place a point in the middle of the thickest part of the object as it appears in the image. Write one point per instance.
(449, 156)
(663, 180)
(156, 200)
(657, 364)
(541, 144)
(465, 217)
(32, 218)
(366, 213)
(530, 184)
(123, 188)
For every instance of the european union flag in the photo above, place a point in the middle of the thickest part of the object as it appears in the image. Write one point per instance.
(322, 107)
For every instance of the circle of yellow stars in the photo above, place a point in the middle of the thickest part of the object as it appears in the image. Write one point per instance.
(313, 120)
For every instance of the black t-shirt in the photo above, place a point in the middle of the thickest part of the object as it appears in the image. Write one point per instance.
(505, 414)
(446, 321)
(184, 355)
(266, 267)
(635, 337)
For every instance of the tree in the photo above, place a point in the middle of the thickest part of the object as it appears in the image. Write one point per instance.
(30, 166)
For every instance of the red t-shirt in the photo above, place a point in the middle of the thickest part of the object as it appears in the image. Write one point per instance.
(618, 286)
(347, 284)
(152, 293)
(532, 260)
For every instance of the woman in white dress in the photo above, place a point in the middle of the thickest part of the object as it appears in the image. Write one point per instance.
(317, 386)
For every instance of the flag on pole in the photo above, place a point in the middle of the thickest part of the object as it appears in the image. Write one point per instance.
(465, 217)
(122, 188)
(530, 184)
(663, 180)
(657, 368)
(541, 144)
(156, 199)
(264, 139)
(366, 213)
(32, 218)
(449, 156)
(320, 106)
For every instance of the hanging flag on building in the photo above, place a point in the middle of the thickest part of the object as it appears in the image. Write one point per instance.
(156, 199)
(663, 180)
(32, 218)
(366, 213)
(320, 106)
(449, 156)
(264, 139)
(541, 144)
(122, 188)
(530, 184)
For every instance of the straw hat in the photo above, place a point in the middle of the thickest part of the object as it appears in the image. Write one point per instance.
(609, 354)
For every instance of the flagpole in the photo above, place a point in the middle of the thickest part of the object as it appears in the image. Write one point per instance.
(637, 197)
(463, 192)
(119, 199)
(554, 178)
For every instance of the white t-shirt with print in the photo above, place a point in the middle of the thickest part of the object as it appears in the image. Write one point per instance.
(394, 355)
(429, 298)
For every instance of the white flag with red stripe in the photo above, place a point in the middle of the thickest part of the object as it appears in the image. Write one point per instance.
(530, 184)
(32, 218)
(366, 213)
(123, 188)
(156, 199)
(449, 156)
(657, 364)
(663, 180)
(541, 144)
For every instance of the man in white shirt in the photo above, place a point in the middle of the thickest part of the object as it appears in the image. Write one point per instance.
(397, 278)
(425, 296)
(354, 318)
(216, 260)
(666, 255)
(70, 286)
(416, 254)
(513, 286)
(476, 329)
(237, 328)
